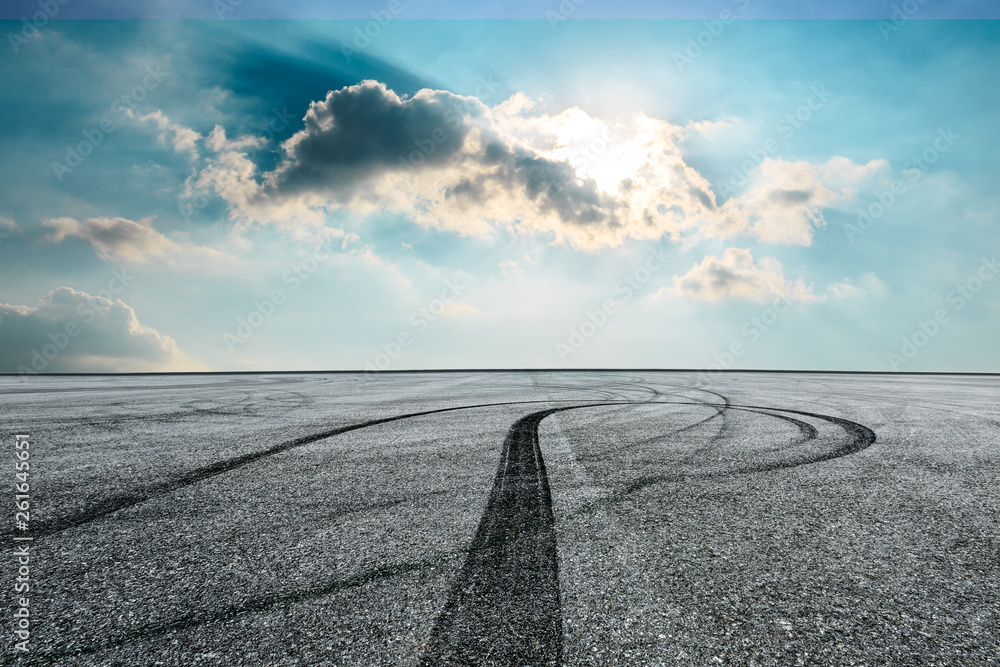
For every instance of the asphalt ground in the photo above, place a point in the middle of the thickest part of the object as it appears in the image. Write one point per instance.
(507, 519)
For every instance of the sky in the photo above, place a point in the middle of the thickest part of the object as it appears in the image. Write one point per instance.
(505, 9)
(383, 190)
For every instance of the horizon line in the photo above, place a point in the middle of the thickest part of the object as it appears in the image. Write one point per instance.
(495, 370)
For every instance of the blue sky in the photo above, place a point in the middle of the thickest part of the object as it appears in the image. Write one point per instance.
(489, 193)
(517, 9)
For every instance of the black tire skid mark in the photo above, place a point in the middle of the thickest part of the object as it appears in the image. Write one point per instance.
(719, 412)
(596, 394)
(636, 381)
(630, 383)
(188, 410)
(611, 451)
(135, 497)
(107, 388)
(808, 433)
(721, 437)
(643, 384)
(862, 437)
(338, 514)
(503, 608)
(534, 516)
(193, 405)
(657, 393)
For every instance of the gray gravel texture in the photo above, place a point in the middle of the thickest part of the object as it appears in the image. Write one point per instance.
(738, 519)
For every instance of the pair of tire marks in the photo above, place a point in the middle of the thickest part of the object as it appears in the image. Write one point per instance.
(504, 606)
(107, 506)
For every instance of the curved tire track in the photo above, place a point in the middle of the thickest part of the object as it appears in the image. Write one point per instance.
(515, 542)
(504, 606)
(503, 609)
(135, 497)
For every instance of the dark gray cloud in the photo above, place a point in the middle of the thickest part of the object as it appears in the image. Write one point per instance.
(704, 197)
(791, 197)
(551, 184)
(362, 130)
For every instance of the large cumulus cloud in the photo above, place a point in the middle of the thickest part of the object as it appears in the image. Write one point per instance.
(451, 162)
(71, 331)
(365, 130)
(735, 275)
(127, 240)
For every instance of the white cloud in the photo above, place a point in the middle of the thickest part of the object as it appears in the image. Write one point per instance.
(217, 142)
(844, 290)
(9, 226)
(509, 267)
(869, 284)
(735, 275)
(127, 240)
(785, 200)
(455, 310)
(385, 267)
(450, 162)
(711, 128)
(182, 139)
(70, 331)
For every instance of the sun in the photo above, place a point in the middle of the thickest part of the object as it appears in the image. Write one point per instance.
(607, 153)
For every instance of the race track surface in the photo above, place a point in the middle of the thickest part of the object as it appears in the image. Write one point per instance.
(521, 518)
